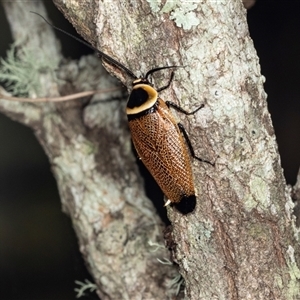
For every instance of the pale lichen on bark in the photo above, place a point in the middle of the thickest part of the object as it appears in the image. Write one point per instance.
(100, 188)
(240, 243)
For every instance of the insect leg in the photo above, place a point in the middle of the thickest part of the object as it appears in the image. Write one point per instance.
(166, 86)
(158, 69)
(182, 129)
(178, 108)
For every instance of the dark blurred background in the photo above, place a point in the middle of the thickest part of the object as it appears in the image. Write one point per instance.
(39, 257)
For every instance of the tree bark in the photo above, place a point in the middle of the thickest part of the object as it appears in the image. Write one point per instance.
(241, 242)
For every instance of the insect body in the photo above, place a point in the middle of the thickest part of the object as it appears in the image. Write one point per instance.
(157, 138)
(160, 145)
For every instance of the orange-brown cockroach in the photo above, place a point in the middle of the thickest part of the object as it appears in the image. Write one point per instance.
(161, 143)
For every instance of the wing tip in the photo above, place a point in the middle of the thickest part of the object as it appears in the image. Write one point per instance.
(186, 205)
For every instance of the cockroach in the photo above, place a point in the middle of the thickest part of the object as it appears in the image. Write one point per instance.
(161, 143)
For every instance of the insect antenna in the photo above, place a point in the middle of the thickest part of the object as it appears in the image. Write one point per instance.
(104, 56)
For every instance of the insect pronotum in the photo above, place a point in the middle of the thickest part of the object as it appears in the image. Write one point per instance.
(161, 143)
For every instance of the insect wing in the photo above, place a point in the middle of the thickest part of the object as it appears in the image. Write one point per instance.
(160, 145)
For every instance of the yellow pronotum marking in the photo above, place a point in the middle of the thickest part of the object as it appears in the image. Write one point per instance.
(152, 98)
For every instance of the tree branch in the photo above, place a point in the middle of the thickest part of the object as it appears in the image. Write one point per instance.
(100, 189)
(241, 241)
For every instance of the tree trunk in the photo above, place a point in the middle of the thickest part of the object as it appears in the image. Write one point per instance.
(241, 240)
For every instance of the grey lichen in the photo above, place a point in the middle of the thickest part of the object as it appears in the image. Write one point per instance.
(83, 287)
(294, 272)
(21, 70)
(182, 12)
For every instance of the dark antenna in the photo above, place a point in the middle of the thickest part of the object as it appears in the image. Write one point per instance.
(106, 57)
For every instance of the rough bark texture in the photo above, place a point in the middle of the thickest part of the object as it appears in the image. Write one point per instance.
(241, 242)
(90, 152)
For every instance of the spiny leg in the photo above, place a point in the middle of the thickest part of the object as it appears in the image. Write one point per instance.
(159, 69)
(166, 86)
(182, 129)
(178, 108)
